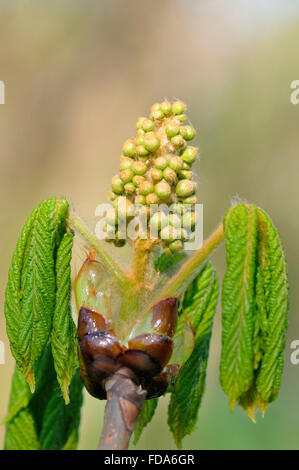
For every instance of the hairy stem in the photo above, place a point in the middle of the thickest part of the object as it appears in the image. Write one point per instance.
(75, 223)
(124, 403)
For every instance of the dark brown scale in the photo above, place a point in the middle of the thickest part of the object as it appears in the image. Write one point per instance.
(100, 344)
(90, 322)
(165, 316)
(157, 346)
(155, 386)
(102, 368)
(141, 362)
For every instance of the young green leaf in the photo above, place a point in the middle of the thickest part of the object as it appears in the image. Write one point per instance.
(199, 307)
(63, 335)
(145, 417)
(275, 296)
(31, 288)
(236, 366)
(42, 420)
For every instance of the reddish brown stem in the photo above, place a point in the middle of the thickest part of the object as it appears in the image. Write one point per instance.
(124, 403)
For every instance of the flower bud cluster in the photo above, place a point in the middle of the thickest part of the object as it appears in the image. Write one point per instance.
(156, 168)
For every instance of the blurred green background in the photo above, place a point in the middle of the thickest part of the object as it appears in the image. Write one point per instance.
(77, 76)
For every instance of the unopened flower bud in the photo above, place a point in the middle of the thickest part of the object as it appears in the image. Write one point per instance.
(140, 199)
(181, 117)
(129, 148)
(126, 163)
(139, 168)
(156, 175)
(148, 125)
(185, 174)
(112, 196)
(156, 111)
(129, 188)
(178, 141)
(165, 107)
(170, 175)
(137, 180)
(189, 220)
(187, 132)
(126, 175)
(160, 163)
(145, 188)
(176, 163)
(175, 246)
(190, 200)
(117, 185)
(178, 107)
(139, 122)
(163, 190)
(151, 142)
(172, 129)
(139, 139)
(152, 199)
(189, 154)
(141, 151)
(185, 188)
(111, 217)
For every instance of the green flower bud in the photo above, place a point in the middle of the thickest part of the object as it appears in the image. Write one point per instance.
(187, 132)
(187, 166)
(148, 125)
(129, 188)
(156, 175)
(185, 174)
(182, 117)
(145, 188)
(126, 175)
(189, 154)
(163, 190)
(178, 141)
(189, 220)
(126, 163)
(176, 163)
(178, 107)
(175, 246)
(170, 175)
(160, 163)
(175, 221)
(165, 107)
(151, 142)
(156, 111)
(169, 233)
(183, 234)
(172, 129)
(190, 200)
(129, 148)
(139, 122)
(185, 188)
(117, 185)
(139, 139)
(137, 180)
(158, 221)
(141, 151)
(140, 199)
(152, 199)
(139, 168)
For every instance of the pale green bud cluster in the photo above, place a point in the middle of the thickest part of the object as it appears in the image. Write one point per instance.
(156, 168)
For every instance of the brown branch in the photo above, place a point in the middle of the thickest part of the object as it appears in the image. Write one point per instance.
(124, 403)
